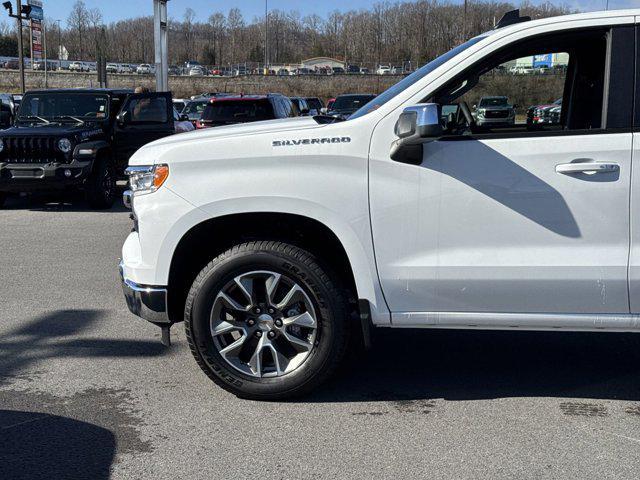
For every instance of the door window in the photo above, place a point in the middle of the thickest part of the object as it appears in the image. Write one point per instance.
(149, 110)
(551, 83)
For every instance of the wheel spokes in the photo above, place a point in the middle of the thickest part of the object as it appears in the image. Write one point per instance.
(229, 303)
(250, 331)
(233, 347)
(294, 293)
(298, 343)
(303, 320)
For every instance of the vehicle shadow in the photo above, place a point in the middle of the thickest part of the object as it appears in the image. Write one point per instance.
(58, 335)
(39, 445)
(58, 202)
(472, 365)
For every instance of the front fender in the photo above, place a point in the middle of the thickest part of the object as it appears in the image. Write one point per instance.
(90, 150)
(355, 238)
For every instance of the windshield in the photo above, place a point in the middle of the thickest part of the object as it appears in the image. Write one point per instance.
(232, 111)
(416, 76)
(195, 107)
(351, 102)
(494, 102)
(53, 105)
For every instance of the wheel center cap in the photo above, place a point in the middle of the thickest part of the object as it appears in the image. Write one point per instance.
(265, 321)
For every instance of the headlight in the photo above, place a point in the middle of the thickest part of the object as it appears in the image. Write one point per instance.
(481, 111)
(64, 144)
(147, 178)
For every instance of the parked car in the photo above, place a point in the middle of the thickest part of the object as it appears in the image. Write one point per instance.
(181, 122)
(188, 65)
(179, 103)
(353, 69)
(12, 101)
(329, 106)
(494, 112)
(337, 71)
(245, 109)
(79, 67)
(40, 65)
(383, 70)
(302, 106)
(315, 105)
(364, 71)
(197, 71)
(345, 105)
(113, 68)
(194, 108)
(278, 243)
(283, 72)
(397, 70)
(79, 139)
(174, 70)
(544, 114)
(144, 69)
(126, 68)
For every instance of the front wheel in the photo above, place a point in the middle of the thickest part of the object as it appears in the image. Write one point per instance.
(265, 321)
(101, 185)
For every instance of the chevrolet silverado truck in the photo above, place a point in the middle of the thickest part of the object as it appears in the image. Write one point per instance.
(79, 139)
(276, 241)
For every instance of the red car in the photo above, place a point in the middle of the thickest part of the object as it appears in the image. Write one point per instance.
(245, 108)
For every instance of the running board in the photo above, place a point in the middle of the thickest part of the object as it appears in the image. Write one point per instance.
(521, 321)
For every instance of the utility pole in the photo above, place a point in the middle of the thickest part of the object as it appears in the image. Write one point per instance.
(23, 12)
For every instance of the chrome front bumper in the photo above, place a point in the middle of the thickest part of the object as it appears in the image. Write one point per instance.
(146, 301)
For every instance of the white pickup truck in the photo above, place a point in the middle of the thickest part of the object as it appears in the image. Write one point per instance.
(276, 241)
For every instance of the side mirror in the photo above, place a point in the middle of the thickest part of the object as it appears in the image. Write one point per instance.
(416, 125)
(323, 110)
(183, 117)
(475, 106)
(123, 117)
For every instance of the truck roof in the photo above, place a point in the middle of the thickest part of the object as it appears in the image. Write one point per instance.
(113, 91)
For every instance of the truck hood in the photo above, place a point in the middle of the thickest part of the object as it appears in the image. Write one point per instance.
(240, 129)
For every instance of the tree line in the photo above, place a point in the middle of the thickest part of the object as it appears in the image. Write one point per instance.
(386, 33)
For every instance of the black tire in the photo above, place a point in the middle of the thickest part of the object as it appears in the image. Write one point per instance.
(100, 189)
(3, 197)
(321, 287)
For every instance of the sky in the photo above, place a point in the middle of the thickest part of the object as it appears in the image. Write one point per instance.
(113, 10)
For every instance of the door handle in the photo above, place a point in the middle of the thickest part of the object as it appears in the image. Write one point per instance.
(587, 167)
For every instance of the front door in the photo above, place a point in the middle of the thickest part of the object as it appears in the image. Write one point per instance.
(514, 215)
(143, 118)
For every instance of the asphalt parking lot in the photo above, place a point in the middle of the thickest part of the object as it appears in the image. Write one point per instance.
(88, 391)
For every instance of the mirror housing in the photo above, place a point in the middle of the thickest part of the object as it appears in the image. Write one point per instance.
(183, 117)
(416, 125)
(323, 110)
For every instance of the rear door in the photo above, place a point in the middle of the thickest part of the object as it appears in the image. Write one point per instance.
(144, 117)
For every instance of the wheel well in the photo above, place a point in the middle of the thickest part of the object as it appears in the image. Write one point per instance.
(207, 240)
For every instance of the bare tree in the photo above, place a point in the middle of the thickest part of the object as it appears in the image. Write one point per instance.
(77, 22)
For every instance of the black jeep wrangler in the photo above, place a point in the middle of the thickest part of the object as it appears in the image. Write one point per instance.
(79, 138)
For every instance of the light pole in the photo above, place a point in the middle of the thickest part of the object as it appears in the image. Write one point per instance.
(23, 12)
(59, 44)
(266, 37)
